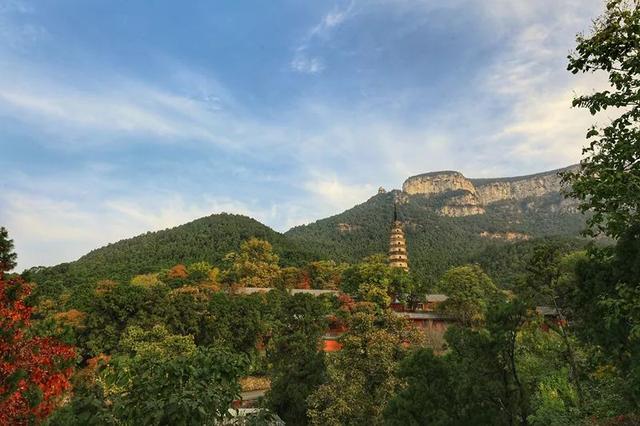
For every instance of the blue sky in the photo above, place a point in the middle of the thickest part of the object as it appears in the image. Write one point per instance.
(120, 117)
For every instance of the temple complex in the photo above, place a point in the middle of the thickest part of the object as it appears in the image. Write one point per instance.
(397, 244)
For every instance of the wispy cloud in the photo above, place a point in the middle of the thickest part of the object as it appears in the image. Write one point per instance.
(303, 60)
(303, 64)
(126, 107)
(329, 21)
(540, 125)
(340, 196)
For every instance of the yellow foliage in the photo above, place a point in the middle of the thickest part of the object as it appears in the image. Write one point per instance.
(73, 318)
(252, 383)
(145, 280)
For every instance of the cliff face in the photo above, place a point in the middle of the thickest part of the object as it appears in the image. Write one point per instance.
(437, 183)
(473, 196)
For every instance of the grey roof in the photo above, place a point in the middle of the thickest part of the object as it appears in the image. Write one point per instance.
(436, 297)
(251, 290)
(424, 315)
(315, 292)
(547, 311)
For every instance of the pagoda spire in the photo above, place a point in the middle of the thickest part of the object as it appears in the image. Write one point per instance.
(397, 244)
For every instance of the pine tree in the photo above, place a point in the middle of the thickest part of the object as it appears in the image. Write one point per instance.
(7, 255)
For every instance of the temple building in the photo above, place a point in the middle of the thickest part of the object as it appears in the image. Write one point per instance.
(397, 244)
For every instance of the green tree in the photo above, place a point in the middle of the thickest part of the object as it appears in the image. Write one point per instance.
(373, 269)
(549, 281)
(296, 357)
(167, 379)
(373, 280)
(111, 309)
(477, 382)
(234, 321)
(429, 393)
(325, 274)
(7, 255)
(606, 298)
(187, 311)
(469, 291)
(361, 376)
(255, 265)
(605, 307)
(544, 370)
(608, 180)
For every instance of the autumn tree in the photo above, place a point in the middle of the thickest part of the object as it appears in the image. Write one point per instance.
(34, 371)
(255, 265)
(204, 275)
(292, 277)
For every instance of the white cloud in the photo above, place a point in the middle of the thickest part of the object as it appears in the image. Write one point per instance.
(303, 61)
(303, 64)
(338, 195)
(332, 19)
(540, 127)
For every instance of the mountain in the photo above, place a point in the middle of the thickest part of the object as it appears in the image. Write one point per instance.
(450, 219)
(206, 239)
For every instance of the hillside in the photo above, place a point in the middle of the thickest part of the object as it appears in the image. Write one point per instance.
(206, 239)
(450, 219)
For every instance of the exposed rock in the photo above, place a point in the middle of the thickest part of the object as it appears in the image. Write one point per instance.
(466, 204)
(437, 183)
(347, 227)
(480, 193)
(519, 188)
(507, 236)
(460, 211)
(381, 190)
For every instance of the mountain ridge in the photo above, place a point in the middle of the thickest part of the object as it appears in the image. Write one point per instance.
(448, 221)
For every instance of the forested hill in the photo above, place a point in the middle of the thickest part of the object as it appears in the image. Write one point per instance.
(450, 220)
(206, 239)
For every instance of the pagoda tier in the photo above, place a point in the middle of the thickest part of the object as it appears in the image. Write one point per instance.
(398, 247)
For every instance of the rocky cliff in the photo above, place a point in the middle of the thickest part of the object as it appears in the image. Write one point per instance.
(465, 197)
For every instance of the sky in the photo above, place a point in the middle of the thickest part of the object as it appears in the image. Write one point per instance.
(119, 117)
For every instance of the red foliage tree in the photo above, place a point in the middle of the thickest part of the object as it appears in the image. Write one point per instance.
(34, 371)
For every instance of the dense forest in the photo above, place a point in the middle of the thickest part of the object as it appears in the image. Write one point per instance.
(435, 242)
(207, 239)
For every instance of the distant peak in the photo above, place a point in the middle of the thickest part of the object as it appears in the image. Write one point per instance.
(481, 192)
